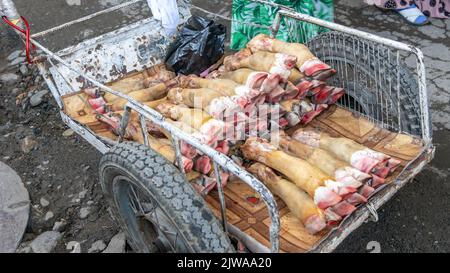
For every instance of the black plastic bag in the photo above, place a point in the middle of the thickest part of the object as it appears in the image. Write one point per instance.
(199, 44)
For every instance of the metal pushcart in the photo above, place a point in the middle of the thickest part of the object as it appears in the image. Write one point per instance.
(150, 198)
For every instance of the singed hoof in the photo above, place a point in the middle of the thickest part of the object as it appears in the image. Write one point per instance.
(324, 197)
(187, 150)
(355, 199)
(315, 224)
(366, 191)
(203, 164)
(343, 208)
(376, 181)
(188, 164)
(323, 75)
(381, 171)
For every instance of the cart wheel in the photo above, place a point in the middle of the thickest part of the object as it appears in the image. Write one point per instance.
(156, 206)
(361, 72)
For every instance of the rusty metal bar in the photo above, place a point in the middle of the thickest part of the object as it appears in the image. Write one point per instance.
(124, 123)
(143, 124)
(223, 206)
(179, 156)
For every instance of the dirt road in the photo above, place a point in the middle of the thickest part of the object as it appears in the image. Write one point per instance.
(62, 168)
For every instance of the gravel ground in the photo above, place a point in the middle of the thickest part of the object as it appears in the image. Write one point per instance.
(59, 168)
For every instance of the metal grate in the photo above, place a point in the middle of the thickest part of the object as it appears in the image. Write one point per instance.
(369, 67)
(373, 71)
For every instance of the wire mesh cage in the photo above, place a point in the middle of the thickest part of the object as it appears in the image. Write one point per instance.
(370, 68)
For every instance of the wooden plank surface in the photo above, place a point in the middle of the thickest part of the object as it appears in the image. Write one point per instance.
(254, 219)
(248, 213)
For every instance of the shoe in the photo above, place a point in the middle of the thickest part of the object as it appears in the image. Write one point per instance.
(413, 15)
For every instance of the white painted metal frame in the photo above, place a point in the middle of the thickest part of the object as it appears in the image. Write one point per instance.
(223, 161)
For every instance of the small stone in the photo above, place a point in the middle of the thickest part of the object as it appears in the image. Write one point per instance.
(74, 246)
(82, 194)
(9, 78)
(14, 55)
(90, 202)
(37, 80)
(68, 133)
(4, 128)
(27, 144)
(442, 83)
(117, 244)
(49, 215)
(84, 212)
(44, 202)
(97, 246)
(38, 98)
(45, 242)
(59, 225)
(26, 249)
(23, 69)
(17, 61)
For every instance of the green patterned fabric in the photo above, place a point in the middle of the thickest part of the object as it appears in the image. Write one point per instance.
(290, 30)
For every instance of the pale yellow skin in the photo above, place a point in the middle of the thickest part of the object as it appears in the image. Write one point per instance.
(183, 126)
(125, 86)
(325, 161)
(154, 103)
(299, 202)
(162, 147)
(152, 93)
(300, 51)
(296, 76)
(146, 79)
(343, 148)
(193, 117)
(240, 75)
(303, 174)
(158, 74)
(198, 98)
(224, 86)
(259, 61)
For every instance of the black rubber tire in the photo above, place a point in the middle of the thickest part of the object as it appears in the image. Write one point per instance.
(333, 47)
(198, 227)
